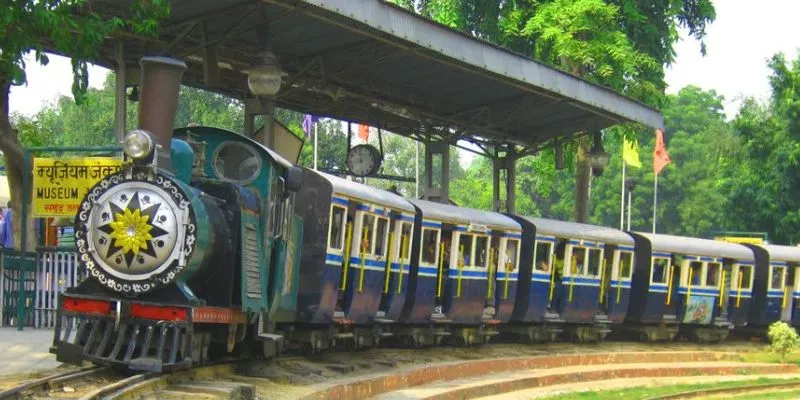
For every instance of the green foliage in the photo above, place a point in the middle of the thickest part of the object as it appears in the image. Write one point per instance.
(584, 37)
(624, 44)
(91, 123)
(783, 339)
(70, 27)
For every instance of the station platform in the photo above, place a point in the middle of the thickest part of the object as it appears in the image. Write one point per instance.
(26, 351)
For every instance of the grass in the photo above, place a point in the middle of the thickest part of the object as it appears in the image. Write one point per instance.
(645, 392)
(768, 357)
(790, 394)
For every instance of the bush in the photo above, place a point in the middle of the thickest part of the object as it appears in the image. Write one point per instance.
(783, 339)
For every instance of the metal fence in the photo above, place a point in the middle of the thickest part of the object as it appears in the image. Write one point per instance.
(53, 271)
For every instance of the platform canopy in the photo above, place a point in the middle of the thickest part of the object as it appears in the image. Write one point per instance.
(368, 61)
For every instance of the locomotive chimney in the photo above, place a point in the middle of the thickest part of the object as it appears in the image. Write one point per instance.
(158, 101)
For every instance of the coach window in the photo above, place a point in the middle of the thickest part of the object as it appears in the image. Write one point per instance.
(465, 248)
(577, 260)
(512, 246)
(543, 258)
(777, 280)
(593, 263)
(405, 240)
(660, 269)
(712, 274)
(481, 251)
(336, 235)
(625, 264)
(430, 245)
(381, 230)
(696, 272)
(743, 278)
(367, 225)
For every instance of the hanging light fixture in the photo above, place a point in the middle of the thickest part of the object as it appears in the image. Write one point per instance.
(266, 79)
(598, 158)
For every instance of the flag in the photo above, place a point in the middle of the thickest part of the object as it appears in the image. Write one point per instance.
(363, 132)
(308, 124)
(630, 153)
(660, 156)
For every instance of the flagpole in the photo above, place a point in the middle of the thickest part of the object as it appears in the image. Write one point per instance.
(630, 195)
(655, 201)
(316, 135)
(622, 200)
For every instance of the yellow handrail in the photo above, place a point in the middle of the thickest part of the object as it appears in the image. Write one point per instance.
(739, 290)
(602, 281)
(363, 262)
(508, 274)
(460, 268)
(403, 248)
(619, 285)
(722, 289)
(388, 264)
(552, 281)
(572, 278)
(669, 283)
(441, 269)
(489, 277)
(689, 285)
(348, 241)
(361, 274)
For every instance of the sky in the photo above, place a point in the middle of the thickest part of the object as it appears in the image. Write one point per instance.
(745, 34)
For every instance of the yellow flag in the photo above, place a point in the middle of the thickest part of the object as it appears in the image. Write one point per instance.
(630, 153)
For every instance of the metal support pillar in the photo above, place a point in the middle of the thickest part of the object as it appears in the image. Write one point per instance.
(442, 192)
(507, 162)
(120, 96)
(266, 108)
(511, 182)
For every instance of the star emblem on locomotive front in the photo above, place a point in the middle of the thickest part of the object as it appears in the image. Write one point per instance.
(131, 230)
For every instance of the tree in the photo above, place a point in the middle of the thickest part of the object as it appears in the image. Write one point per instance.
(623, 44)
(67, 26)
(766, 192)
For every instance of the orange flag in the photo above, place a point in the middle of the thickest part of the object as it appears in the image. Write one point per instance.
(363, 132)
(660, 156)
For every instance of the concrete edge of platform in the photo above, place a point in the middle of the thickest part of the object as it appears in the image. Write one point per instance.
(363, 387)
(512, 385)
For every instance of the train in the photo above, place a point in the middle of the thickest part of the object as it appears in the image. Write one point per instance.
(209, 245)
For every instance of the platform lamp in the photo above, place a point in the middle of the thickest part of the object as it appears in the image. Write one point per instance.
(598, 158)
(266, 79)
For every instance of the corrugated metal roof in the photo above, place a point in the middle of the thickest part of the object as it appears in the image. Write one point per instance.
(465, 216)
(574, 230)
(370, 62)
(698, 247)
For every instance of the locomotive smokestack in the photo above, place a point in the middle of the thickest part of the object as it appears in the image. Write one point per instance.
(158, 100)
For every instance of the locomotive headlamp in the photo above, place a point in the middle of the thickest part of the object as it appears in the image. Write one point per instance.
(138, 144)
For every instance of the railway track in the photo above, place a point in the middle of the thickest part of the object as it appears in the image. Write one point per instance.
(290, 376)
(52, 381)
(204, 382)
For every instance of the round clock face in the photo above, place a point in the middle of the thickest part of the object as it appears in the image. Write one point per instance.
(363, 160)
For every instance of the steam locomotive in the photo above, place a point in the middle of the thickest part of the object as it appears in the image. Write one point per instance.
(207, 244)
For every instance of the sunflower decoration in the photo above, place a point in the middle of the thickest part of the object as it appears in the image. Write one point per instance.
(131, 230)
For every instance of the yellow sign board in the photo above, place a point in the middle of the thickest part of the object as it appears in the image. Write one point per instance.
(736, 239)
(59, 184)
